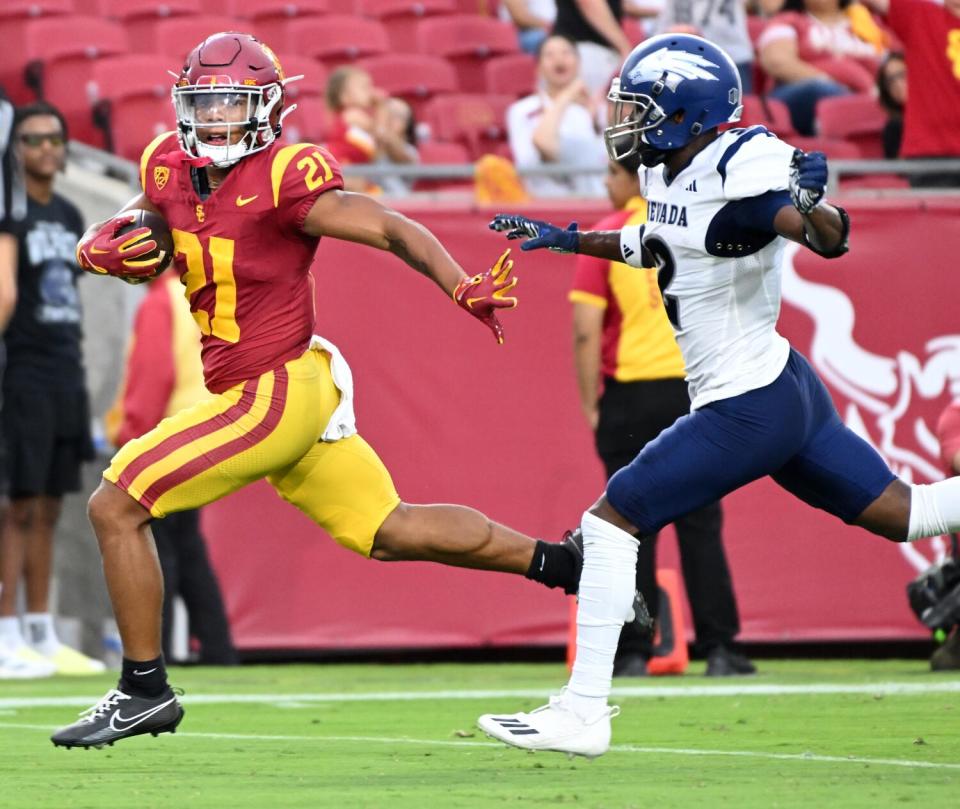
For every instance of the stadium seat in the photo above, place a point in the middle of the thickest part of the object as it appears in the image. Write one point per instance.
(400, 17)
(63, 39)
(833, 148)
(314, 79)
(307, 123)
(475, 120)
(440, 153)
(768, 112)
(856, 118)
(177, 36)
(267, 18)
(467, 41)
(24, 9)
(336, 39)
(14, 15)
(130, 112)
(414, 77)
(514, 74)
(138, 16)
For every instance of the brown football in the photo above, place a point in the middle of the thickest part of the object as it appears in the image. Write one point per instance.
(159, 232)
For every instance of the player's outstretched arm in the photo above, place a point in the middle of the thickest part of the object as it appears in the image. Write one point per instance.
(538, 235)
(362, 219)
(811, 221)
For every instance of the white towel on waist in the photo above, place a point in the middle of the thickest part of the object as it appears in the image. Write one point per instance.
(343, 422)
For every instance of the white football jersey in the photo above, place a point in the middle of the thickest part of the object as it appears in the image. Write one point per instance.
(720, 281)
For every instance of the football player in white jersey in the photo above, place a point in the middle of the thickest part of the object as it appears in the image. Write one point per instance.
(721, 206)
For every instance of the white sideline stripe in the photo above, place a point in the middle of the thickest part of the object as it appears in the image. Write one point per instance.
(653, 691)
(616, 748)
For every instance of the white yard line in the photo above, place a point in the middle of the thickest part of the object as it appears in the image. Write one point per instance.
(617, 748)
(741, 689)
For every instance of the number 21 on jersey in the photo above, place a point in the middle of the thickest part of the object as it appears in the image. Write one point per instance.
(221, 322)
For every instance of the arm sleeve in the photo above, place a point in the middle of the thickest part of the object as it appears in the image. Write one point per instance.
(631, 245)
(149, 374)
(591, 282)
(300, 173)
(758, 213)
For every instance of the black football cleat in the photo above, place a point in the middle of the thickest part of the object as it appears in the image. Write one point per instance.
(118, 716)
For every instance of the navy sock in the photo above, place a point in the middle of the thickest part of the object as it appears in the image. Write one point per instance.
(143, 678)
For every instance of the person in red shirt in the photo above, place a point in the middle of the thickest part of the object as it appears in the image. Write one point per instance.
(816, 49)
(930, 33)
(247, 215)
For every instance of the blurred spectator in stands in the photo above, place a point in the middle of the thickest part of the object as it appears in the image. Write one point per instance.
(395, 132)
(595, 27)
(558, 125)
(46, 413)
(623, 342)
(930, 33)
(724, 24)
(532, 18)
(948, 434)
(892, 88)
(12, 210)
(352, 100)
(164, 375)
(816, 49)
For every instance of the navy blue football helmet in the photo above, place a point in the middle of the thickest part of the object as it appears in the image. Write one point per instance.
(672, 88)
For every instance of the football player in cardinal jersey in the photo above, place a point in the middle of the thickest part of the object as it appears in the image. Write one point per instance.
(720, 209)
(246, 215)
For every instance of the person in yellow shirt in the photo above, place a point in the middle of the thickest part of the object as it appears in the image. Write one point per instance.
(163, 376)
(631, 379)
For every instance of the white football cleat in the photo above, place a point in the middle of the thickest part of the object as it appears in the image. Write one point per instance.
(23, 663)
(553, 726)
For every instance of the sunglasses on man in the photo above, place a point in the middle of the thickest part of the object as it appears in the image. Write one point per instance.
(36, 139)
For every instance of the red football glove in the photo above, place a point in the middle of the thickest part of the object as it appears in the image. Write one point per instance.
(481, 295)
(102, 251)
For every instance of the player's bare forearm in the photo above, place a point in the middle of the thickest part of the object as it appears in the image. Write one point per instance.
(822, 229)
(601, 243)
(362, 219)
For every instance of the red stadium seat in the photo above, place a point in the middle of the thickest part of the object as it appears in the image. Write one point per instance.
(177, 36)
(856, 118)
(314, 79)
(55, 43)
(129, 98)
(138, 16)
(401, 17)
(474, 120)
(440, 153)
(514, 74)
(768, 112)
(833, 148)
(414, 77)
(14, 15)
(467, 41)
(267, 18)
(336, 39)
(307, 123)
(28, 9)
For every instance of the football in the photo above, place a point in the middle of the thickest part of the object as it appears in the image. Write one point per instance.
(159, 232)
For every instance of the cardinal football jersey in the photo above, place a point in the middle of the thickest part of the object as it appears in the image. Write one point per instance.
(720, 279)
(242, 256)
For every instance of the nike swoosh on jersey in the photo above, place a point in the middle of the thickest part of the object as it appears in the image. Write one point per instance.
(120, 723)
(242, 200)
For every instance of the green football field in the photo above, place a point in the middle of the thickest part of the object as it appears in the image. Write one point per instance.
(812, 734)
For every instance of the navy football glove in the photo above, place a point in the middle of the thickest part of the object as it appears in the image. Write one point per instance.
(538, 234)
(808, 179)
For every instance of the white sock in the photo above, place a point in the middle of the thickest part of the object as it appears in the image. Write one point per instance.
(10, 635)
(39, 632)
(607, 585)
(934, 508)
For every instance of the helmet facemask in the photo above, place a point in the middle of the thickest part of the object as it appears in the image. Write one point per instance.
(634, 114)
(222, 110)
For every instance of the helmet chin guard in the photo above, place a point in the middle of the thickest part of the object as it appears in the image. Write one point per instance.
(671, 89)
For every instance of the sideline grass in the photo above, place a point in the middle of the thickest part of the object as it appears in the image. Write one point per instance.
(744, 750)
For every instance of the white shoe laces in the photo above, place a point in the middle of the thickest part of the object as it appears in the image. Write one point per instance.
(111, 700)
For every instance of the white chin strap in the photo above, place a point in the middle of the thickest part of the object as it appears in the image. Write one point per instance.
(222, 156)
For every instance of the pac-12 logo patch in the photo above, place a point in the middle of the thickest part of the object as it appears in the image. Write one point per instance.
(160, 176)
